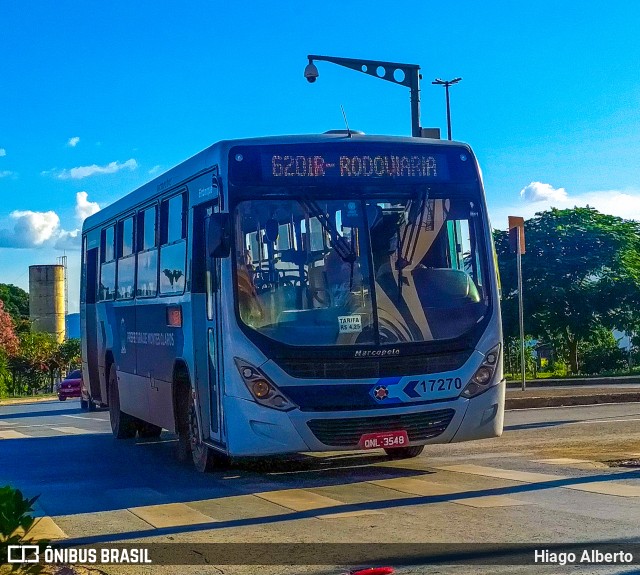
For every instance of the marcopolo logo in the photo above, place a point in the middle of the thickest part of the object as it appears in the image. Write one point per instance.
(376, 352)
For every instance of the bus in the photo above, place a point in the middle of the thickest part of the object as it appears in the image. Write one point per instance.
(291, 294)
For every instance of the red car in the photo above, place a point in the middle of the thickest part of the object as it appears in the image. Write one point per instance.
(70, 385)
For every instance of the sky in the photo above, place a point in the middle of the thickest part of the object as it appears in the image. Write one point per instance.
(96, 98)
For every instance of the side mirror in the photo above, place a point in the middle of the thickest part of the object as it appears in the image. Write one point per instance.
(219, 235)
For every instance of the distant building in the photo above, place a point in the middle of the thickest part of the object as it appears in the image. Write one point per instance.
(73, 326)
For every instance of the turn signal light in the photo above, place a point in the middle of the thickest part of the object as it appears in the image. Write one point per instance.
(260, 388)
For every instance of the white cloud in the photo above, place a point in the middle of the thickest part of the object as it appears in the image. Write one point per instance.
(68, 240)
(154, 170)
(539, 192)
(622, 203)
(5, 173)
(73, 142)
(3, 152)
(85, 171)
(30, 229)
(85, 208)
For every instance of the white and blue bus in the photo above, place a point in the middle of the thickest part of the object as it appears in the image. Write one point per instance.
(295, 294)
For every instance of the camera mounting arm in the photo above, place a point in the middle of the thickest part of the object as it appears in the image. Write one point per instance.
(385, 71)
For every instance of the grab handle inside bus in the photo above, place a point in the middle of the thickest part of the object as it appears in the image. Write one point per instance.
(219, 236)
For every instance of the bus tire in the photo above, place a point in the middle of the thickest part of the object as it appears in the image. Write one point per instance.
(123, 425)
(404, 452)
(148, 430)
(204, 459)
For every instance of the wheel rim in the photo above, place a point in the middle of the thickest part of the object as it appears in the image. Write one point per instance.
(114, 405)
(197, 447)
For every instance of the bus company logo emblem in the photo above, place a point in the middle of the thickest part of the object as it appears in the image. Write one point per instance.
(123, 337)
(23, 554)
(380, 392)
(376, 352)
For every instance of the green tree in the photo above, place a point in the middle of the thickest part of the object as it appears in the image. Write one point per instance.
(69, 351)
(600, 352)
(16, 303)
(9, 345)
(35, 363)
(581, 271)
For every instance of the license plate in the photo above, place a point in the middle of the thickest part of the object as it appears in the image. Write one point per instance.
(386, 439)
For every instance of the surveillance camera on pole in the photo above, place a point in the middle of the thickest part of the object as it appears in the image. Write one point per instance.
(311, 72)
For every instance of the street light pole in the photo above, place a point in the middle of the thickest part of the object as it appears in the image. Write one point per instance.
(446, 84)
(388, 71)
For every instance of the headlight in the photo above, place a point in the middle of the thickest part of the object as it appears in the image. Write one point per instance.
(484, 375)
(261, 388)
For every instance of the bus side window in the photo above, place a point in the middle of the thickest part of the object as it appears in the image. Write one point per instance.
(147, 257)
(173, 248)
(126, 259)
(107, 265)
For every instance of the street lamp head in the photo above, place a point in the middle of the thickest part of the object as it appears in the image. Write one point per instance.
(311, 72)
(440, 82)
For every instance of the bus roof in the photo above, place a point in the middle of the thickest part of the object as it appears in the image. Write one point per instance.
(214, 154)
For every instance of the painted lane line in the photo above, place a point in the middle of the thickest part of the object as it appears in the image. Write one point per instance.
(170, 515)
(602, 421)
(44, 528)
(487, 501)
(574, 406)
(608, 488)
(522, 476)
(611, 487)
(71, 430)
(298, 499)
(11, 434)
(302, 500)
(561, 461)
(86, 417)
(428, 488)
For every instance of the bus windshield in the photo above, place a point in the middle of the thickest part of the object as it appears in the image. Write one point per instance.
(410, 267)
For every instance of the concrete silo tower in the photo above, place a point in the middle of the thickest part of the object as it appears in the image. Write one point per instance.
(46, 299)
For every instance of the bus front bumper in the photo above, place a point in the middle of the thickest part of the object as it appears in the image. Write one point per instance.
(254, 430)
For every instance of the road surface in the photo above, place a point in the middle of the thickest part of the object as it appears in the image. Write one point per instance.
(544, 481)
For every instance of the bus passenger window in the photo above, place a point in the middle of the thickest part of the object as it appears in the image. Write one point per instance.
(107, 289)
(173, 252)
(126, 259)
(147, 258)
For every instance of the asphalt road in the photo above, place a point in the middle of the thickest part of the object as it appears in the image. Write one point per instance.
(545, 481)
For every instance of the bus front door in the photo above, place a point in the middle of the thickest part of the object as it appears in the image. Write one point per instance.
(214, 347)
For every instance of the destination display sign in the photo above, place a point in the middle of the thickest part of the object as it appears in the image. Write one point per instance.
(352, 166)
(318, 164)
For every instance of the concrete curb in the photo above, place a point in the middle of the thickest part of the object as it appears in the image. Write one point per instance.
(569, 400)
(26, 400)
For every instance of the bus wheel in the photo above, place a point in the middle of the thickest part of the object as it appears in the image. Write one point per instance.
(404, 452)
(123, 425)
(203, 458)
(148, 430)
